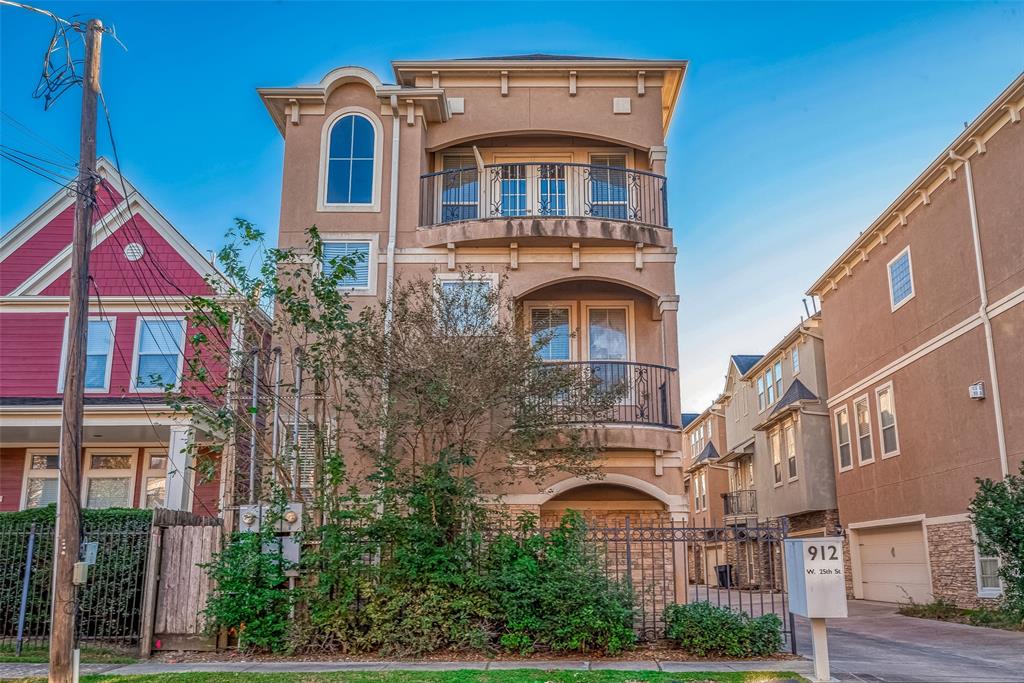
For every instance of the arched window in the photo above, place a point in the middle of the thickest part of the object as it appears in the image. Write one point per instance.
(350, 161)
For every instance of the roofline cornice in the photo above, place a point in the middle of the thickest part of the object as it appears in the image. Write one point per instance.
(1006, 108)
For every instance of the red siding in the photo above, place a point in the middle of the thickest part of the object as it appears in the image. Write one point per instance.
(12, 469)
(30, 347)
(46, 243)
(160, 272)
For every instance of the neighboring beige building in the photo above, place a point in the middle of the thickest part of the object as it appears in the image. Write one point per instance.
(924, 320)
(551, 169)
(704, 439)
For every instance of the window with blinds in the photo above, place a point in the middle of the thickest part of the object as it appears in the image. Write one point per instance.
(550, 327)
(41, 486)
(460, 188)
(158, 352)
(356, 255)
(608, 191)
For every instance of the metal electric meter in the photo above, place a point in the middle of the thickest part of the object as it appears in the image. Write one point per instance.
(816, 580)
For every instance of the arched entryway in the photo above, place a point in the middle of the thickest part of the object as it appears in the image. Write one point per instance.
(607, 505)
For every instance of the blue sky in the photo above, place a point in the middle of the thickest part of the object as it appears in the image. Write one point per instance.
(797, 125)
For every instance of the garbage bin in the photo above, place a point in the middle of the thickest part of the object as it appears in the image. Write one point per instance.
(724, 572)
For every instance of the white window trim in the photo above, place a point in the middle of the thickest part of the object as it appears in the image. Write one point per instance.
(88, 473)
(983, 592)
(40, 474)
(110, 356)
(794, 355)
(856, 430)
(910, 269)
(135, 351)
(835, 425)
(776, 454)
(378, 162)
(493, 278)
(574, 338)
(630, 327)
(881, 425)
(792, 425)
(149, 473)
(372, 257)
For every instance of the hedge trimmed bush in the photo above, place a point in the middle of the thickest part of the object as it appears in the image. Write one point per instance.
(703, 629)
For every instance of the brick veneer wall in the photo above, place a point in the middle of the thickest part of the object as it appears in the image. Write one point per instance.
(953, 564)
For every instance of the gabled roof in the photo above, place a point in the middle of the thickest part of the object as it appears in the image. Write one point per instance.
(132, 205)
(688, 418)
(743, 363)
(708, 455)
(796, 392)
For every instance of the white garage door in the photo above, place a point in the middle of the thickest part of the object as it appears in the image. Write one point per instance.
(894, 564)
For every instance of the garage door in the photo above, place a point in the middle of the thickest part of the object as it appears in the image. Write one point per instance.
(894, 564)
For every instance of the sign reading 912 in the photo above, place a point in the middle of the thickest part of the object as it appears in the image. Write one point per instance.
(816, 578)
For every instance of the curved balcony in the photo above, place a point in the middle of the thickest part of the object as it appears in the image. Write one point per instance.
(562, 199)
(641, 394)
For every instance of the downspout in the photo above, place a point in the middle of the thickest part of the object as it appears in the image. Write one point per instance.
(986, 321)
(396, 130)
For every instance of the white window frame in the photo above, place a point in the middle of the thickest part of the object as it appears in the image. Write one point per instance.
(630, 327)
(775, 449)
(135, 351)
(855, 431)
(574, 335)
(493, 278)
(149, 473)
(790, 453)
(762, 393)
(839, 444)
(779, 387)
(322, 204)
(88, 473)
(36, 474)
(910, 270)
(984, 592)
(110, 355)
(881, 425)
(372, 258)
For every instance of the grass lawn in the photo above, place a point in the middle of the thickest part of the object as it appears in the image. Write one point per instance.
(943, 611)
(37, 654)
(463, 676)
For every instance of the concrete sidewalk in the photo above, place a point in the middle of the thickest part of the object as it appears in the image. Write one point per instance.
(9, 671)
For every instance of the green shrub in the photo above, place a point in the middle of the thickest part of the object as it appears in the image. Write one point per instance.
(997, 510)
(552, 592)
(703, 629)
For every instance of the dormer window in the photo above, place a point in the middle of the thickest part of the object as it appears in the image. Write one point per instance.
(350, 169)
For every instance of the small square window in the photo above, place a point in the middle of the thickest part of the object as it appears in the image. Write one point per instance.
(901, 279)
(357, 254)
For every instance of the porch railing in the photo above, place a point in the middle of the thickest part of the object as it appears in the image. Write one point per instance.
(637, 393)
(543, 190)
(740, 502)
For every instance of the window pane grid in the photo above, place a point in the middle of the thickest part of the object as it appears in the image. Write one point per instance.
(899, 278)
(350, 161)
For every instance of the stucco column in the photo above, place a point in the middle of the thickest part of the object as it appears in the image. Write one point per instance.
(179, 474)
(668, 308)
(680, 572)
(657, 156)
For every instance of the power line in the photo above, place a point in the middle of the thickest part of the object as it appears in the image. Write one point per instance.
(39, 138)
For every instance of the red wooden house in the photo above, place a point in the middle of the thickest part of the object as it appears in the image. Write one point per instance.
(142, 271)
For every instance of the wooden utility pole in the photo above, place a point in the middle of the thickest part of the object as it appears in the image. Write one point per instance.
(69, 528)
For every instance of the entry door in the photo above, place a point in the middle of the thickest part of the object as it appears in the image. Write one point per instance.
(532, 186)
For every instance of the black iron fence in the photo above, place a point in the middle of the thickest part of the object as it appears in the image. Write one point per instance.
(541, 190)
(110, 604)
(627, 393)
(740, 502)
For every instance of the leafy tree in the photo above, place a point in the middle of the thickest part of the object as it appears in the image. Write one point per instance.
(997, 511)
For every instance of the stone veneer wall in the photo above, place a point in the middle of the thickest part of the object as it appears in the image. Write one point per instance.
(953, 564)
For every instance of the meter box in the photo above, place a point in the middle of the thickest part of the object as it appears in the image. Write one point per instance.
(250, 517)
(816, 577)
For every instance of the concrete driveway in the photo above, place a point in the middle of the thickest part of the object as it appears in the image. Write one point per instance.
(876, 644)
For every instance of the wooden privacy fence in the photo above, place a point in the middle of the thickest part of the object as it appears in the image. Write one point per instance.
(176, 592)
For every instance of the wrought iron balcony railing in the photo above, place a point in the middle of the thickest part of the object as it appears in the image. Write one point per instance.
(543, 190)
(637, 393)
(740, 502)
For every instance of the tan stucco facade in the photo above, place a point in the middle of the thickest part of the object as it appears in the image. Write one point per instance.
(532, 112)
(963, 323)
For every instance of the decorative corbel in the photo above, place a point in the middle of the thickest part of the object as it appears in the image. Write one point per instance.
(864, 258)
(575, 255)
(513, 256)
(451, 256)
(1014, 111)
(950, 172)
(435, 79)
(902, 216)
(883, 239)
(572, 84)
(926, 197)
(294, 110)
(979, 145)
(659, 463)
(638, 256)
(641, 85)
(504, 84)
(410, 113)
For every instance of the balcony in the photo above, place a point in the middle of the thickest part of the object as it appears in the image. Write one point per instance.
(640, 392)
(544, 190)
(740, 502)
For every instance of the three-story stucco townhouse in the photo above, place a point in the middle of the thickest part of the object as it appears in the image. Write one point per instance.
(924, 320)
(548, 169)
(703, 441)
